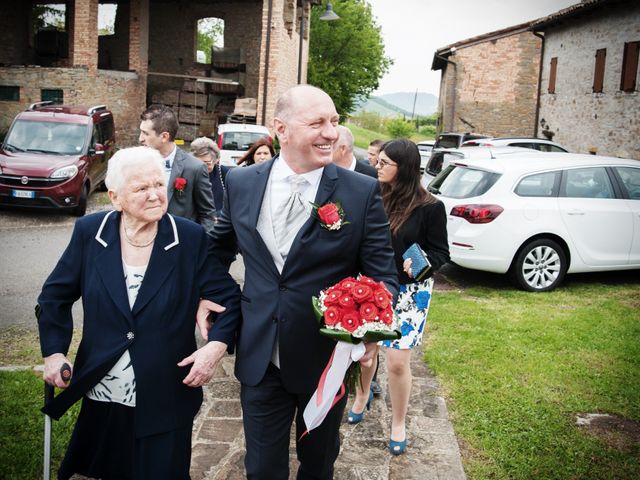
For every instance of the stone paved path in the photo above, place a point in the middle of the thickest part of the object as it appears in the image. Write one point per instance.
(432, 453)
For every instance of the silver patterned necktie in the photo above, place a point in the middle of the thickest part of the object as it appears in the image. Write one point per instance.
(290, 216)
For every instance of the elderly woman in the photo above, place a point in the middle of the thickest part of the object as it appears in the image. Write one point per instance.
(260, 152)
(205, 149)
(143, 276)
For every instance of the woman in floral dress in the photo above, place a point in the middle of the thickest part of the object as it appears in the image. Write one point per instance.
(415, 216)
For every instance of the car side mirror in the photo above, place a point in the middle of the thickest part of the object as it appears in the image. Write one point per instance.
(98, 149)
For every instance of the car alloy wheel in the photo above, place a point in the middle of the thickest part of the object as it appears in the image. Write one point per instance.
(540, 266)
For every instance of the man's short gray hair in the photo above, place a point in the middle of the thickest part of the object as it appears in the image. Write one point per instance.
(203, 145)
(126, 158)
(345, 137)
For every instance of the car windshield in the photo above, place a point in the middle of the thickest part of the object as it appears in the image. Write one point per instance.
(461, 182)
(46, 137)
(240, 140)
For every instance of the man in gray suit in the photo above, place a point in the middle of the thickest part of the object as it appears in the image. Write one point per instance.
(188, 185)
(343, 154)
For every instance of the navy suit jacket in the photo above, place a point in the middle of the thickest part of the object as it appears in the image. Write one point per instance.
(366, 169)
(158, 330)
(274, 302)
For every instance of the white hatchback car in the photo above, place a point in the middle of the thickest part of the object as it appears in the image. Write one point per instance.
(542, 216)
(234, 139)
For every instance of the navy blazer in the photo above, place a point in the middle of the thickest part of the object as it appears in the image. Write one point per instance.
(158, 330)
(281, 303)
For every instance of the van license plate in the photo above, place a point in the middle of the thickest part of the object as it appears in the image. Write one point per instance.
(23, 194)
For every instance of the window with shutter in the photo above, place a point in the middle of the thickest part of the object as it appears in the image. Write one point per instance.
(629, 66)
(598, 75)
(552, 75)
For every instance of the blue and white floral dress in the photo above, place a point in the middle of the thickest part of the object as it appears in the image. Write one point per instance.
(411, 311)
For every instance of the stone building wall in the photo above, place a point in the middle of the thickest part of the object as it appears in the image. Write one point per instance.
(121, 92)
(606, 123)
(495, 86)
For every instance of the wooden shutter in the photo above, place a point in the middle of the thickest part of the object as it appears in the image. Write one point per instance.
(598, 74)
(629, 66)
(552, 75)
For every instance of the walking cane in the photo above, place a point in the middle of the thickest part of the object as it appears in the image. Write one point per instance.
(65, 371)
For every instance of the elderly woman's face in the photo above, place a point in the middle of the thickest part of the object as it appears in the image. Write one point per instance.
(262, 154)
(144, 193)
(209, 159)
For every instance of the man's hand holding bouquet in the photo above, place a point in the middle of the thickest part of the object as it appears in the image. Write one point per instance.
(351, 312)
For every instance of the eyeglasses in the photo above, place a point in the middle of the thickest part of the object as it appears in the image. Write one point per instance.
(384, 163)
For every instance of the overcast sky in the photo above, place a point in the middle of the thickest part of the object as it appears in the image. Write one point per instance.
(414, 29)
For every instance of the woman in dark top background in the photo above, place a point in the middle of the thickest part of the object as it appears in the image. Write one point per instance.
(415, 216)
(205, 149)
(260, 151)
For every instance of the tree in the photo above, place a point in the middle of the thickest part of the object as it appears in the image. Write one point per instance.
(346, 57)
(399, 128)
(210, 33)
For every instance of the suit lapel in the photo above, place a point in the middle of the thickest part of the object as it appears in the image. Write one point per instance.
(108, 264)
(176, 171)
(161, 264)
(257, 218)
(325, 191)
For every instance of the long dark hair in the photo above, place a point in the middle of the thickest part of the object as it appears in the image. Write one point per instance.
(247, 158)
(402, 196)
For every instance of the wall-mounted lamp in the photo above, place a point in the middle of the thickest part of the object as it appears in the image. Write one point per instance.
(329, 15)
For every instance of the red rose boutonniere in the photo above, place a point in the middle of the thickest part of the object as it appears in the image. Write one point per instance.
(179, 185)
(331, 215)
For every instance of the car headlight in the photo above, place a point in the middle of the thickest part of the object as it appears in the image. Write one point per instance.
(65, 172)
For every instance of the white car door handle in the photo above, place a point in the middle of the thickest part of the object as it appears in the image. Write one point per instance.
(576, 212)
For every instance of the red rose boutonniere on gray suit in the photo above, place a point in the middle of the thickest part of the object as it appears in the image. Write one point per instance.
(179, 185)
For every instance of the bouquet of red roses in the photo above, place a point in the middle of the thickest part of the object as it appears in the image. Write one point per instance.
(351, 311)
(356, 310)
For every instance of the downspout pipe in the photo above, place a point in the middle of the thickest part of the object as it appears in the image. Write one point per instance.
(455, 84)
(265, 86)
(537, 113)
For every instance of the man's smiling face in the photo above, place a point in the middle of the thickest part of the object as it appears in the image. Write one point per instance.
(308, 131)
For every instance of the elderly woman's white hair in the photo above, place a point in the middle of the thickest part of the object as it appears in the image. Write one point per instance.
(126, 158)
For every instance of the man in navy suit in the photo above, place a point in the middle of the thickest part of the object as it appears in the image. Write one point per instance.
(280, 354)
(343, 154)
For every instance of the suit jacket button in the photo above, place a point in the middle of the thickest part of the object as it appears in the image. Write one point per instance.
(283, 288)
(130, 336)
(275, 319)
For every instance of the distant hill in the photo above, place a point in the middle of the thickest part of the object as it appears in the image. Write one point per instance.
(401, 103)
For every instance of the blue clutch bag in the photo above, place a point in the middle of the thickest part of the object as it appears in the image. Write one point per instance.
(420, 265)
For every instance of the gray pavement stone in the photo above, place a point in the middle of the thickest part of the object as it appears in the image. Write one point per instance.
(432, 452)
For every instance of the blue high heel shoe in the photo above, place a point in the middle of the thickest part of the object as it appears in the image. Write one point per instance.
(397, 448)
(355, 418)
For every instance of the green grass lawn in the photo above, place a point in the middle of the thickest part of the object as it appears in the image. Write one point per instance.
(22, 427)
(517, 367)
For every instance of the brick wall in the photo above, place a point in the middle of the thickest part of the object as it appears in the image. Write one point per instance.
(122, 92)
(608, 122)
(83, 34)
(495, 87)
